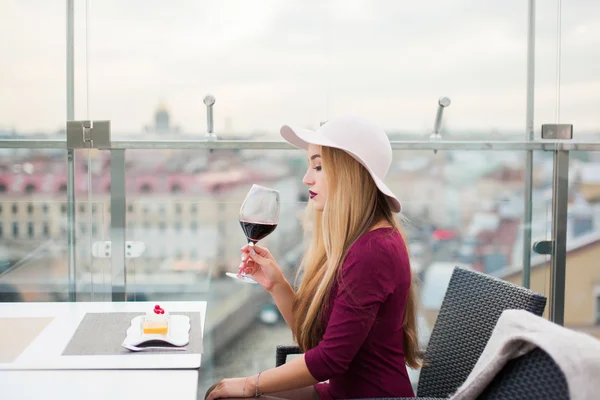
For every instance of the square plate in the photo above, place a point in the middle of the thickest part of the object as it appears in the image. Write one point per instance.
(178, 334)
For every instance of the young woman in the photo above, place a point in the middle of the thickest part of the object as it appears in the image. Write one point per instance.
(354, 313)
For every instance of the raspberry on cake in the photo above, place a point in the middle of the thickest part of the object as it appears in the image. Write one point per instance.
(156, 322)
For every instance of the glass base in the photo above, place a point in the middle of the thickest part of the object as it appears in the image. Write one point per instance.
(242, 278)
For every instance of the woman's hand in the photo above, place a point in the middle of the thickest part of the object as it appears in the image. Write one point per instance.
(235, 387)
(262, 266)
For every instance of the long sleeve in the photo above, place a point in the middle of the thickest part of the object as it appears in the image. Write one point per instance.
(368, 278)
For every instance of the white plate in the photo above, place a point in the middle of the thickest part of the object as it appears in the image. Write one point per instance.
(178, 334)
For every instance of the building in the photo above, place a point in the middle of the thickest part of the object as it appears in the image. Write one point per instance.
(183, 207)
(162, 123)
(582, 295)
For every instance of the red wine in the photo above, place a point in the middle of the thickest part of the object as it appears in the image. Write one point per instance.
(256, 231)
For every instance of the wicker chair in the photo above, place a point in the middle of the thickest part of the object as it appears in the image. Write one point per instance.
(532, 376)
(471, 307)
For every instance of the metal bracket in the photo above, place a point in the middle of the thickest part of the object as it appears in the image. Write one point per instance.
(132, 249)
(557, 131)
(544, 247)
(209, 102)
(435, 136)
(88, 135)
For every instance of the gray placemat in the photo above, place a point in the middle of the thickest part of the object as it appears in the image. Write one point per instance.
(102, 334)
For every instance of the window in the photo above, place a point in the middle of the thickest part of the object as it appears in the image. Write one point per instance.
(15, 209)
(29, 209)
(30, 188)
(1, 230)
(178, 208)
(176, 188)
(63, 208)
(15, 229)
(82, 208)
(0, 208)
(46, 230)
(30, 230)
(94, 229)
(130, 208)
(2, 188)
(194, 226)
(94, 208)
(193, 208)
(62, 188)
(45, 209)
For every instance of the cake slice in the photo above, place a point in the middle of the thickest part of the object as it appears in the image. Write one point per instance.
(156, 322)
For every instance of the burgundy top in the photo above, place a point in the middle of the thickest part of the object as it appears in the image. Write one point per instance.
(361, 353)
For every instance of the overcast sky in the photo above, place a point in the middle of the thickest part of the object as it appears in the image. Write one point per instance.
(300, 62)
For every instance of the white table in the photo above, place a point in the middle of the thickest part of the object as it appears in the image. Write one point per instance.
(99, 385)
(44, 352)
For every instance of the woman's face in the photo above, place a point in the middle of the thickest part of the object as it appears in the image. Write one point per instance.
(315, 178)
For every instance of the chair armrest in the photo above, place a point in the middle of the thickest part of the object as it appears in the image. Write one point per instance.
(283, 352)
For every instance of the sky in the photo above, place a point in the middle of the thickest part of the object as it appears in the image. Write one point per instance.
(274, 62)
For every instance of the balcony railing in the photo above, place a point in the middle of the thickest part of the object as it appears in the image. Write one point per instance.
(119, 199)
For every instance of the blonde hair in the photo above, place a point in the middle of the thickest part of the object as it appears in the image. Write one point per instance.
(354, 206)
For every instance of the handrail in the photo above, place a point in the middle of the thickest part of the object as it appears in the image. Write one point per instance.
(546, 145)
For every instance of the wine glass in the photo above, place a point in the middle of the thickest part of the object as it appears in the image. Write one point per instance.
(259, 216)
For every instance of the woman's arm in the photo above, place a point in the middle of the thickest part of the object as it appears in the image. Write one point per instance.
(292, 375)
(265, 270)
(284, 296)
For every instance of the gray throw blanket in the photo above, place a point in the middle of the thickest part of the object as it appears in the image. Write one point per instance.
(518, 332)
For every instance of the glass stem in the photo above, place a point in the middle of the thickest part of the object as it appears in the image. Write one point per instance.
(251, 244)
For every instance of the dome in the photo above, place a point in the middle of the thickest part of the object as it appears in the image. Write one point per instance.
(162, 118)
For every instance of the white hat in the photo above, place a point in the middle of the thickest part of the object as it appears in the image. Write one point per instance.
(362, 139)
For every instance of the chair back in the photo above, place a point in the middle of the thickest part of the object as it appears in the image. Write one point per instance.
(471, 307)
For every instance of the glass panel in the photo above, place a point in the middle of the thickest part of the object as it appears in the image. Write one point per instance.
(33, 251)
(582, 294)
(33, 69)
(566, 83)
(466, 208)
(304, 63)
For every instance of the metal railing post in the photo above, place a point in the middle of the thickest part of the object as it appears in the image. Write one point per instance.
(528, 192)
(71, 240)
(117, 225)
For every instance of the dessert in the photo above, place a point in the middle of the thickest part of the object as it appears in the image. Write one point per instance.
(156, 322)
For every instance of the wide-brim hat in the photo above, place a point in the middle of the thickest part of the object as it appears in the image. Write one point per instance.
(362, 139)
